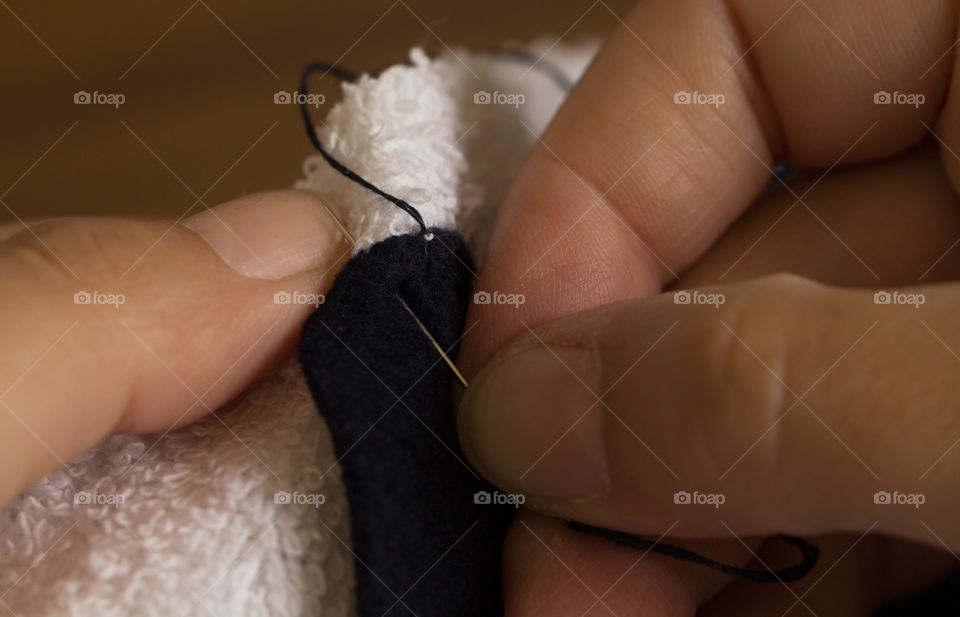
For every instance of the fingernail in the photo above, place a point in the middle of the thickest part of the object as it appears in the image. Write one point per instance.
(269, 235)
(531, 422)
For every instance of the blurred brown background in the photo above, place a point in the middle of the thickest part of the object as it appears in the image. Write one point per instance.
(199, 77)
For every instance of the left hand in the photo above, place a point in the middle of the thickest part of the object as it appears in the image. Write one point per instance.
(113, 325)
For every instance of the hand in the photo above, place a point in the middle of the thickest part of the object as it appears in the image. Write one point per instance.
(135, 326)
(797, 397)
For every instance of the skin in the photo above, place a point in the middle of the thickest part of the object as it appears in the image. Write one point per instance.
(628, 196)
(197, 326)
(592, 234)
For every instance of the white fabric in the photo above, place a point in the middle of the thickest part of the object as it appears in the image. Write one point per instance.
(198, 528)
(417, 133)
(199, 532)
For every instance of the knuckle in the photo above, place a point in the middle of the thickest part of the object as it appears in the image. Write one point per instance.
(66, 250)
(746, 365)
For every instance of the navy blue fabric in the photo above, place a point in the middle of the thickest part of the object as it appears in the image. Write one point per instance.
(424, 546)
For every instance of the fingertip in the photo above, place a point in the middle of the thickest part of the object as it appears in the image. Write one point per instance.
(532, 423)
(272, 235)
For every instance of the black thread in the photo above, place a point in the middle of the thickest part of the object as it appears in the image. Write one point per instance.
(809, 553)
(340, 167)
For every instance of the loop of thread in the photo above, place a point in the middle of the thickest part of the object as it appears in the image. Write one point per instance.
(809, 553)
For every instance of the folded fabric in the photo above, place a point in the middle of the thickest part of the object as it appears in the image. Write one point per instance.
(426, 540)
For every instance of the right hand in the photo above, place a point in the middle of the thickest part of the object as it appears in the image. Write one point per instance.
(630, 194)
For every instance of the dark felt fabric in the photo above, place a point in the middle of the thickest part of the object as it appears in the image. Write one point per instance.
(417, 532)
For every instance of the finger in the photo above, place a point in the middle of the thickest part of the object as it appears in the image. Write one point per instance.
(947, 128)
(830, 75)
(788, 403)
(895, 222)
(629, 188)
(115, 325)
(9, 229)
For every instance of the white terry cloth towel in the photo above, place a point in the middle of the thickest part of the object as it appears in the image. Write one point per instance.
(243, 513)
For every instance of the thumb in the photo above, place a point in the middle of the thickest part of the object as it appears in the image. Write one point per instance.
(118, 325)
(776, 405)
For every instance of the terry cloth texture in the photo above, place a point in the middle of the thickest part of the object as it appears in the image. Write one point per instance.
(433, 134)
(426, 540)
(199, 533)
